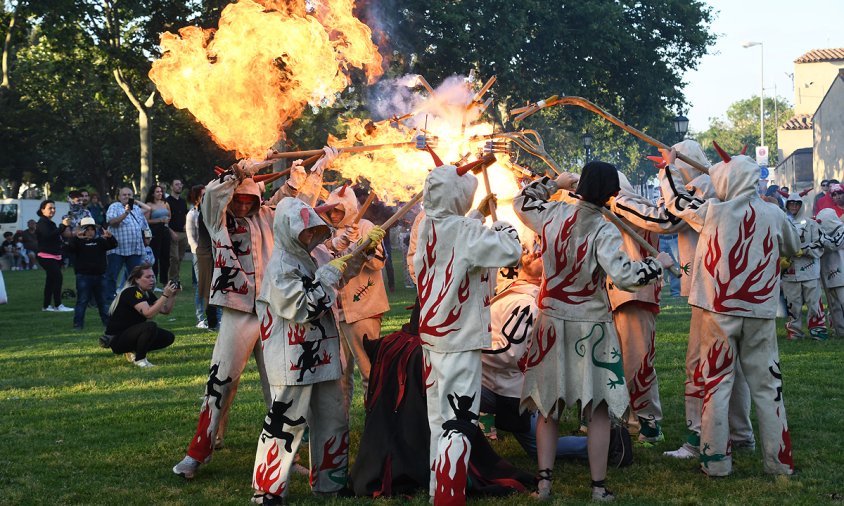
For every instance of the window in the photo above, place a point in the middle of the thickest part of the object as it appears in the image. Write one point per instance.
(8, 213)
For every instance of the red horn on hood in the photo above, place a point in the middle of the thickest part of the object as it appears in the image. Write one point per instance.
(324, 208)
(437, 160)
(478, 165)
(723, 154)
(342, 191)
(219, 170)
(744, 150)
(306, 216)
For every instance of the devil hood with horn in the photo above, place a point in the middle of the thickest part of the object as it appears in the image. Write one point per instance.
(736, 267)
(298, 332)
(453, 262)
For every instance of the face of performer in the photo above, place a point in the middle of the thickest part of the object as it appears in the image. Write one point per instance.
(793, 207)
(147, 280)
(838, 198)
(336, 215)
(241, 204)
(306, 237)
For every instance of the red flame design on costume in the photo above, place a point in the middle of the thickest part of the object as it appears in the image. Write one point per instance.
(566, 271)
(643, 380)
(427, 368)
(202, 445)
(266, 329)
(220, 261)
(426, 281)
(817, 319)
(738, 264)
(539, 348)
(335, 458)
(696, 383)
(719, 361)
(295, 334)
(785, 449)
(268, 472)
(451, 491)
(326, 358)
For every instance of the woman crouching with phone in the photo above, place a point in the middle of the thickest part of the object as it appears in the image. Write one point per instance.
(130, 327)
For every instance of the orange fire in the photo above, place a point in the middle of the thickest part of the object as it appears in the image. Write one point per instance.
(267, 60)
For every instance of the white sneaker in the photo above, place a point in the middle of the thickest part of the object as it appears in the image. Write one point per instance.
(64, 309)
(49, 309)
(686, 451)
(144, 363)
(187, 467)
(202, 325)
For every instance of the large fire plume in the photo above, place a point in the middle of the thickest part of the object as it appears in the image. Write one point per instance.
(268, 59)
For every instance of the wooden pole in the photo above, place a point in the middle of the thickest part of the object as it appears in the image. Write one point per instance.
(360, 248)
(364, 207)
(349, 149)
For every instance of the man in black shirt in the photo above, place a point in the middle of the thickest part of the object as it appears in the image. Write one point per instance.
(179, 239)
(90, 253)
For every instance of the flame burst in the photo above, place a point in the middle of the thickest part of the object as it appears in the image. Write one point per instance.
(254, 74)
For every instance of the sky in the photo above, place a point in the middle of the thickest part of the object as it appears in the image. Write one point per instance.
(786, 28)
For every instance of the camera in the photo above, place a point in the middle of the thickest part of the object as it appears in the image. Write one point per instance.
(175, 283)
(131, 203)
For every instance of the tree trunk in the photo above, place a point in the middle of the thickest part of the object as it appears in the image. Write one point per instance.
(143, 130)
(7, 49)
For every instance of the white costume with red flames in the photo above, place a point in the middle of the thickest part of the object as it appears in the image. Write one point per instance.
(575, 354)
(634, 316)
(302, 349)
(680, 199)
(801, 280)
(452, 264)
(241, 248)
(735, 284)
(362, 299)
(832, 266)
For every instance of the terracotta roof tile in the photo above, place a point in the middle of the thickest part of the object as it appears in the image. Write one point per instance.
(818, 55)
(798, 122)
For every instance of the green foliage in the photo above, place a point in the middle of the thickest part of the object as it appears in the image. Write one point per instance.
(741, 128)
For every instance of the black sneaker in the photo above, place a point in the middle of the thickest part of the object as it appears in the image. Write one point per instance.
(105, 341)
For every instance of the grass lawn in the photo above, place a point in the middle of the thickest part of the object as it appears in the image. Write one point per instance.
(79, 425)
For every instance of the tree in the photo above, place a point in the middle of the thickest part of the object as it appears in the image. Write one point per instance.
(627, 56)
(741, 128)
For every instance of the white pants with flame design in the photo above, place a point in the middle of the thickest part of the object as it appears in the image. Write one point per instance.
(752, 342)
(453, 390)
(741, 429)
(295, 407)
(636, 328)
(238, 338)
(798, 293)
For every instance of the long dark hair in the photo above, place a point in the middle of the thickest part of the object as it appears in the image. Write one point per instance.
(195, 194)
(131, 282)
(43, 205)
(598, 182)
(151, 193)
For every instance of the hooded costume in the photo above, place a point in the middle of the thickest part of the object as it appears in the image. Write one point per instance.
(832, 266)
(301, 345)
(735, 283)
(801, 278)
(241, 248)
(452, 263)
(362, 299)
(634, 316)
(575, 354)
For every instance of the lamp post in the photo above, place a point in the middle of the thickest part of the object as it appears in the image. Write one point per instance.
(587, 144)
(762, 88)
(681, 127)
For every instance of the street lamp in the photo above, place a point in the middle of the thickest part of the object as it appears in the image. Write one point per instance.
(681, 126)
(587, 144)
(762, 89)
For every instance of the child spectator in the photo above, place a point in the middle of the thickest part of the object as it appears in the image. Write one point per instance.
(90, 254)
(149, 256)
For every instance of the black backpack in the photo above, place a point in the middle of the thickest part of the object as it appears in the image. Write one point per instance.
(621, 447)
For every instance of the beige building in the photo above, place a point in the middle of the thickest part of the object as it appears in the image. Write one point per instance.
(828, 133)
(814, 74)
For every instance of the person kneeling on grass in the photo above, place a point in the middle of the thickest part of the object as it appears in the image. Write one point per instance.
(130, 328)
